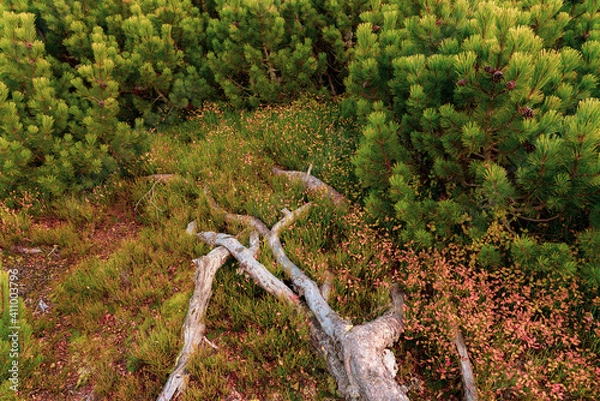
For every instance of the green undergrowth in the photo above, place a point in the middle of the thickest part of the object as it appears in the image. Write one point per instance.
(120, 313)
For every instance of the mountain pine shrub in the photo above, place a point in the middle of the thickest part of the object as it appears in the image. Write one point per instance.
(59, 128)
(158, 50)
(266, 51)
(483, 116)
(76, 77)
(172, 55)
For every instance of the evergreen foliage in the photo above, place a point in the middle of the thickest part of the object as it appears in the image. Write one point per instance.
(475, 113)
(481, 129)
(76, 77)
(156, 47)
(253, 56)
(483, 115)
(59, 130)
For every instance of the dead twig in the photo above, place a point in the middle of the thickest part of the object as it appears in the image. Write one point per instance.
(468, 379)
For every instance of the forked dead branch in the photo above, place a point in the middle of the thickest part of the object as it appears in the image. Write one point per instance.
(356, 355)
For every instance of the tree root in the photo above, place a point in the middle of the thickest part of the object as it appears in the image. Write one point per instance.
(354, 354)
(357, 356)
(249, 265)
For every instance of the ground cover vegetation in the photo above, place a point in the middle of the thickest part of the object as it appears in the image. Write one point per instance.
(470, 131)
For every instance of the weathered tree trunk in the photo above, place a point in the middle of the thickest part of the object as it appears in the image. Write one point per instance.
(356, 353)
(360, 348)
(357, 356)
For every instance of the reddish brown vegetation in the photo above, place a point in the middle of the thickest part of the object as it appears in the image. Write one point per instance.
(527, 338)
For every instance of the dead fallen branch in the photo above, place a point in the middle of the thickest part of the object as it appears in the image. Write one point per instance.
(361, 348)
(470, 389)
(363, 352)
(321, 341)
(194, 327)
(313, 184)
(26, 250)
(249, 265)
(161, 177)
(357, 356)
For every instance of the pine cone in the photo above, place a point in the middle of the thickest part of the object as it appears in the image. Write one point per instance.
(527, 112)
(510, 85)
(375, 28)
(498, 76)
(461, 82)
(489, 69)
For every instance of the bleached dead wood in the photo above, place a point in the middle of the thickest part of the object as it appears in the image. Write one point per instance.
(261, 276)
(468, 379)
(312, 183)
(360, 348)
(321, 341)
(26, 250)
(326, 286)
(355, 354)
(363, 351)
(194, 327)
(161, 177)
(333, 325)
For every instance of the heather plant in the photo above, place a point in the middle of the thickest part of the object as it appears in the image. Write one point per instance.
(477, 115)
(15, 225)
(528, 338)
